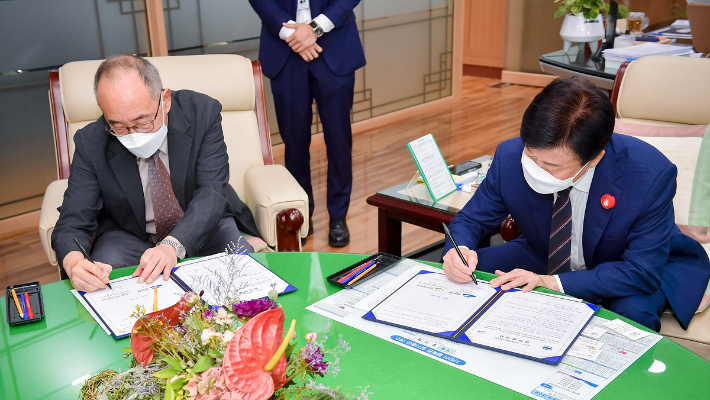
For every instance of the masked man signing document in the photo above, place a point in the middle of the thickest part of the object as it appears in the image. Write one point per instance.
(595, 209)
(149, 181)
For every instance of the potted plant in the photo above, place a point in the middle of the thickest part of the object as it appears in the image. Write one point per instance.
(583, 22)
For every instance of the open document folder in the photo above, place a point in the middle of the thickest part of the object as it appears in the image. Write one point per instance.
(532, 325)
(222, 277)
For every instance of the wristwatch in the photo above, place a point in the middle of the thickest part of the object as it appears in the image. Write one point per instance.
(179, 248)
(317, 30)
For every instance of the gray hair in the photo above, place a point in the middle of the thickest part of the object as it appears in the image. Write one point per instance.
(121, 63)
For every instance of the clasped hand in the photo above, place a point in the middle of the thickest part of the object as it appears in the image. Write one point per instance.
(303, 41)
(457, 272)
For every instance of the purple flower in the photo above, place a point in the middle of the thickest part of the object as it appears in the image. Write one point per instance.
(209, 313)
(312, 356)
(251, 308)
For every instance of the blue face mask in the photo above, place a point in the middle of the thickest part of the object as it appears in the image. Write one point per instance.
(542, 181)
(144, 145)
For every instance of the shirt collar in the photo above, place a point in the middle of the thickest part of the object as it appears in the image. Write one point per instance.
(585, 182)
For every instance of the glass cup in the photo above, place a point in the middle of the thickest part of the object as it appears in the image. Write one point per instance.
(637, 22)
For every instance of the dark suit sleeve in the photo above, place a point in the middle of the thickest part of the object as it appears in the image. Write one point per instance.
(338, 10)
(80, 207)
(271, 14)
(482, 214)
(648, 245)
(209, 201)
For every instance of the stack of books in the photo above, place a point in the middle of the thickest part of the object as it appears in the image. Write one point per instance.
(614, 57)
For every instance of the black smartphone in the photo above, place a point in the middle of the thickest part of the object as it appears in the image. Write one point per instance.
(464, 167)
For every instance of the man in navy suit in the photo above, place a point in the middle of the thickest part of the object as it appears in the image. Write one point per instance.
(595, 209)
(294, 33)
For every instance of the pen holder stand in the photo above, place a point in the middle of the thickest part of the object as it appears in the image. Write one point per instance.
(35, 295)
(384, 262)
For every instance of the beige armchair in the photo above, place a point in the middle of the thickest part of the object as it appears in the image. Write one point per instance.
(274, 197)
(672, 92)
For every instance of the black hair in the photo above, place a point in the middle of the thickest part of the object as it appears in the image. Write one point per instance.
(569, 113)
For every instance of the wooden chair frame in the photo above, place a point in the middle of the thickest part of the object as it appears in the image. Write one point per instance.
(289, 220)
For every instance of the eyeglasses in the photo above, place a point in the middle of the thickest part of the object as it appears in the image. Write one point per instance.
(143, 127)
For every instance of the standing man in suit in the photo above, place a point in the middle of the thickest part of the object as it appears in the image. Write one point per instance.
(310, 50)
(595, 209)
(149, 181)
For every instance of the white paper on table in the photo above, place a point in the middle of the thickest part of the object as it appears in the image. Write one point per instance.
(561, 386)
(115, 306)
(594, 332)
(531, 324)
(626, 329)
(347, 301)
(586, 348)
(90, 310)
(617, 354)
(253, 280)
(432, 166)
(430, 302)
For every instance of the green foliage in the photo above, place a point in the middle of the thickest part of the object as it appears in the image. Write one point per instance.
(623, 10)
(173, 363)
(203, 364)
(166, 373)
(589, 8)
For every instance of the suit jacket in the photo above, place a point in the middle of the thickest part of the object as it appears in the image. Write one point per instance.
(342, 49)
(634, 248)
(105, 191)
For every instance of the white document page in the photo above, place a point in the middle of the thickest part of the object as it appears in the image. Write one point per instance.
(432, 166)
(225, 277)
(530, 324)
(357, 298)
(116, 305)
(430, 302)
(532, 379)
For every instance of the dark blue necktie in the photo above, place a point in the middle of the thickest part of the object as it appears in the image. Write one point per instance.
(560, 235)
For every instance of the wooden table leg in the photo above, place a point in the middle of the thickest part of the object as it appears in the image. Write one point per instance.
(389, 233)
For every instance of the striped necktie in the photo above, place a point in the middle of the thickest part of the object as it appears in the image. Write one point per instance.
(560, 234)
(166, 208)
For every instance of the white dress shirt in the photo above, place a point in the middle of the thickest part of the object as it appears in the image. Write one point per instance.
(145, 182)
(303, 16)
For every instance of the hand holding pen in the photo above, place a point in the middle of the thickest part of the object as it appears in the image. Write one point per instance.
(459, 263)
(85, 274)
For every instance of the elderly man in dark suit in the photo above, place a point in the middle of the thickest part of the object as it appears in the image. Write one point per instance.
(149, 181)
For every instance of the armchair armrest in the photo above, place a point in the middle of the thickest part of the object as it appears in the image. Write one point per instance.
(53, 198)
(270, 189)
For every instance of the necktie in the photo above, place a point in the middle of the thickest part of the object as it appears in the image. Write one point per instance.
(560, 234)
(166, 208)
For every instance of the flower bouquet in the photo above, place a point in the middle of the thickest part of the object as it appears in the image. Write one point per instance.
(238, 351)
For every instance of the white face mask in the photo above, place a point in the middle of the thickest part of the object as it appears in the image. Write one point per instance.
(542, 181)
(144, 145)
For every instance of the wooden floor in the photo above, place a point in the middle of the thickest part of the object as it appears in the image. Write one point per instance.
(483, 118)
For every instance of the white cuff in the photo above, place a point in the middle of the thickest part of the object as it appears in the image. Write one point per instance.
(463, 247)
(285, 32)
(324, 23)
(557, 278)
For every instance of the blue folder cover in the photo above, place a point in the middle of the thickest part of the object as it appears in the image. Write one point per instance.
(462, 338)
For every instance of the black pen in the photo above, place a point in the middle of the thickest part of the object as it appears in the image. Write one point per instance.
(448, 233)
(87, 256)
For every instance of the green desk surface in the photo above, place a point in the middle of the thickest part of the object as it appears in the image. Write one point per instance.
(50, 359)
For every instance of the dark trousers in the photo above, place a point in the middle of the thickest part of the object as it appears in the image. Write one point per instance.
(644, 309)
(120, 249)
(294, 88)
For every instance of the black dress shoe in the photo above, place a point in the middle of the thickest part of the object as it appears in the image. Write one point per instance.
(339, 235)
(310, 231)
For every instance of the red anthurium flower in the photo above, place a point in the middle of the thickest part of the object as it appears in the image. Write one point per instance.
(248, 353)
(141, 344)
(608, 201)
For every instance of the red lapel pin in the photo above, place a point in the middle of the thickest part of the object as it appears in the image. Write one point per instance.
(608, 201)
